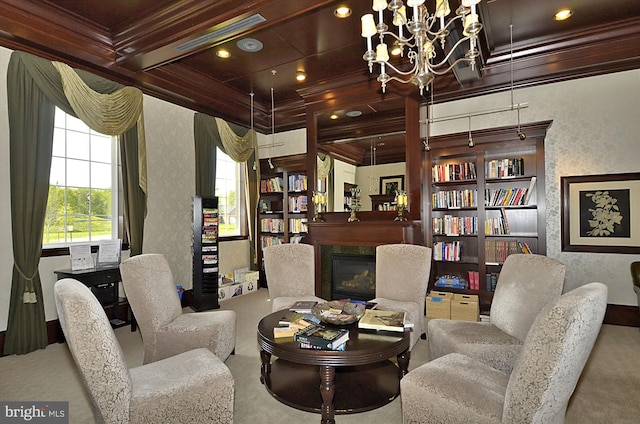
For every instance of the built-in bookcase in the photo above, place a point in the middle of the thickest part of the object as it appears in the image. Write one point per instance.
(482, 204)
(283, 206)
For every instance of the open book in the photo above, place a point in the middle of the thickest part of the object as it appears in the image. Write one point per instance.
(374, 319)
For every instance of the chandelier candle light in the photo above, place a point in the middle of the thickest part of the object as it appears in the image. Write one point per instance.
(421, 33)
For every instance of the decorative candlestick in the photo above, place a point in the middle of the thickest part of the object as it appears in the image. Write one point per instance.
(401, 204)
(320, 202)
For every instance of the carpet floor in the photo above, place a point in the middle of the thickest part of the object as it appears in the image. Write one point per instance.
(608, 391)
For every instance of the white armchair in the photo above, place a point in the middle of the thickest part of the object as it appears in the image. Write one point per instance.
(194, 386)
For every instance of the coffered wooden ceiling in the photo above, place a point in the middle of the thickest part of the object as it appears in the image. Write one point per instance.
(142, 43)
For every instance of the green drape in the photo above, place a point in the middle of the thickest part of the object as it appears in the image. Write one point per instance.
(206, 139)
(34, 88)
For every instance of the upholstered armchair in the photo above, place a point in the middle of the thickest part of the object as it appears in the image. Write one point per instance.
(635, 275)
(402, 276)
(194, 386)
(456, 388)
(290, 271)
(166, 330)
(527, 283)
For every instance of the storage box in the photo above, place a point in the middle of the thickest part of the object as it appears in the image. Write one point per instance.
(224, 292)
(249, 287)
(235, 290)
(439, 304)
(465, 307)
(243, 275)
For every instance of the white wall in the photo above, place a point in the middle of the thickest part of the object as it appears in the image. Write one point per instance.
(171, 187)
(596, 123)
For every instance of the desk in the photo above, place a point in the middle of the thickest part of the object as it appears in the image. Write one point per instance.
(105, 285)
(358, 379)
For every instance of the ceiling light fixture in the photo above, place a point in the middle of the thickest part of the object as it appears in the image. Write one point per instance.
(342, 12)
(223, 54)
(334, 116)
(563, 14)
(421, 35)
(301, 76)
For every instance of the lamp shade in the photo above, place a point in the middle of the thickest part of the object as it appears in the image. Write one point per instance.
(368, 25)
(442, 8)
(470, 25)
(400, 17)
(379, 5)
(469, 3)
(414, 3)
(382, 53)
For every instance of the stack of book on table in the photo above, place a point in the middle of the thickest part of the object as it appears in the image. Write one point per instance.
(293, 321)
(321, 338)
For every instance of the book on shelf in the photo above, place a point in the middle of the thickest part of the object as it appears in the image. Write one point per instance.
(375, 319)
(532, 185)
(303, 306)
(321, 337)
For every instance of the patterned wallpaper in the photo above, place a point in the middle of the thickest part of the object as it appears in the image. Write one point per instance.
(595, 130)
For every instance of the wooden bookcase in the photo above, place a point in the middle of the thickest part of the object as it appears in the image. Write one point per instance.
(475, 214)
(283, 209)
(205, 253)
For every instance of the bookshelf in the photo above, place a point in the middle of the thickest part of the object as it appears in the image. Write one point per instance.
(205, 253)
(283, 206)
(483, 203)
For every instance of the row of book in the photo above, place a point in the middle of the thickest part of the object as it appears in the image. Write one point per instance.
(504, 168)
(454, 172)
(298, 203)
(491, 280)
(272, 225)
(455, 225)
(266, 241)
(496, 251)
(455, 199)
(447, 251)
(297, 182)
(515, 196)
(297, 225)
(271, 185)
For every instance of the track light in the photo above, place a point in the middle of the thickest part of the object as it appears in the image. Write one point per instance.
(270, 164)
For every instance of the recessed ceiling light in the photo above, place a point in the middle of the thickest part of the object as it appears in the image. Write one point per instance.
(334, 116)
(342, 12)
(250, 45)
(224, 54)
(301, 76)
(353, 113)
(563, 14)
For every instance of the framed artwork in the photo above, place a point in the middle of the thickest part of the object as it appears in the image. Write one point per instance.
(389, 185)
(601, 213)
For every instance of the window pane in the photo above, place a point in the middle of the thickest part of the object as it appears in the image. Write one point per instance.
(57, 174)
(77, 145)
(100, 148)
(100, 175)
(58, 143)
(77, 173)
(75, 124)
(227, 191)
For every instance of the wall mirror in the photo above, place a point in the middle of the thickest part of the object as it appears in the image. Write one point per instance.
(367, 143)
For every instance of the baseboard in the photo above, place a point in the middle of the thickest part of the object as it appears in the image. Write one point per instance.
(622, 315)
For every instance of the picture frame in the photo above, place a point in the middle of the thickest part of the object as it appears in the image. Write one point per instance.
(597, 212)
(389, 185)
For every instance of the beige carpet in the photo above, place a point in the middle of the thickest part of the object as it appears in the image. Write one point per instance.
(608, 392)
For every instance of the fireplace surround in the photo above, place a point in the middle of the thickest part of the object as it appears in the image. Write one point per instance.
(353, 276)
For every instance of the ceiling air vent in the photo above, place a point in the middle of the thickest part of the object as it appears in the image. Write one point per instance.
(221, 33)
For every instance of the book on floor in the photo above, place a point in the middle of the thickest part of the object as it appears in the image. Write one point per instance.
(375, 319)
(322, 337)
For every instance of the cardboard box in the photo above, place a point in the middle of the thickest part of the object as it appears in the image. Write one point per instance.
(249, 287)
(235, 290)
(465, 307)
(439, 304)
(243, 275)
(224, 292)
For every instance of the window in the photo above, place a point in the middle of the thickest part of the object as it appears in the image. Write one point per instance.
(82, 204)
(230, 193)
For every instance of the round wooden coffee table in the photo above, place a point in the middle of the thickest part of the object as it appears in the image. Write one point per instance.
(360, 378)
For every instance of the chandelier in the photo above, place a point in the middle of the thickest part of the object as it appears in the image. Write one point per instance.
(419, 34)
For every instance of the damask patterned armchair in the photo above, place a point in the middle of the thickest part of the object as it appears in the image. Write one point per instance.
(194, 386)
(457, 388)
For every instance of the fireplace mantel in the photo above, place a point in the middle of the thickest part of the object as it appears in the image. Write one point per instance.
(363, 233)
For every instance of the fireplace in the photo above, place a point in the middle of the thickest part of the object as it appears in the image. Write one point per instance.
(353, 276)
